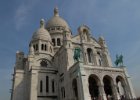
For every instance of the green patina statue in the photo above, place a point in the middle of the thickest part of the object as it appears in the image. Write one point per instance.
(119, 60)
(76, 56)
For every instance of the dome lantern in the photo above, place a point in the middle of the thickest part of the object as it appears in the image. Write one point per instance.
(57, 21)
(42, 23)
(56, 12)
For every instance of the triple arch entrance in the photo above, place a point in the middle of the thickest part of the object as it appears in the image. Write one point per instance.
(107, 88)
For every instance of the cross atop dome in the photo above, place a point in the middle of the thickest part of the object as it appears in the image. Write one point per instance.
(56, 12)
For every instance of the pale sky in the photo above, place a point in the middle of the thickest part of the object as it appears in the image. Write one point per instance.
(117, 20)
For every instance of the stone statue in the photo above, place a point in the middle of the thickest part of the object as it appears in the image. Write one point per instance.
(119, 60)
(77, 54)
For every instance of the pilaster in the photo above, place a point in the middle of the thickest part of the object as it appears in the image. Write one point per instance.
(33, 85)
(108, 59)
(129, 87)
(115, 91)
(95, 58)
(102, 92)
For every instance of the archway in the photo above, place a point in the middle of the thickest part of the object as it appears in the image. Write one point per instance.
(121, 86)
(93, 87)
(108, 88)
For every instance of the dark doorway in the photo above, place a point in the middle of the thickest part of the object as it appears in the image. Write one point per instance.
(108, 87)
(93, 88)
(75, 89)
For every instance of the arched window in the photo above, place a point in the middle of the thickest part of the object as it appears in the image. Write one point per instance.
(50, 49)
(90, 55)
(41, 86)
(53, 41)
(47, 84)
(58, 28)
(63, 92)
(53, 88)
(69, 44)
(85, 34)
(44, 63)
(42, 46)
(100, 62)
(53, 28)
(36, 47)
(75, 89)
(100, 58)
(45, 47)
(58, 42)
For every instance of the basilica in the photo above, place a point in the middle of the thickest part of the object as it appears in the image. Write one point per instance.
(63, 66)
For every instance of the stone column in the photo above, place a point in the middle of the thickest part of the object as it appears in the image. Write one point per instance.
(102, 92)
(115, 92)
(80, 88)
(85, 88)
(126, 91)
(84, 52)
(95, 58)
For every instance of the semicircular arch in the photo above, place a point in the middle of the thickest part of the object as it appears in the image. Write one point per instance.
(94, 76)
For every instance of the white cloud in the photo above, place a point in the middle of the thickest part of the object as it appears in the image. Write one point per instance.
(20, 16)
(23, 12)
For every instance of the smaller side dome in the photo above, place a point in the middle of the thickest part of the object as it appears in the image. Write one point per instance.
(41, 33)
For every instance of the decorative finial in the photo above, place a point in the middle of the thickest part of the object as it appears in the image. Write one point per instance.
(56, 13)
(42, 23)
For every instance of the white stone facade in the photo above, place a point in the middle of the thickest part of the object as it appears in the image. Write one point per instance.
(49, 72)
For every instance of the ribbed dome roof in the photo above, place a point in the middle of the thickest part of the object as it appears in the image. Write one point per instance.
(41, 33)
(56, 20)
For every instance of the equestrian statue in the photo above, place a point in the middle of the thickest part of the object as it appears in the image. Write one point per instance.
(119, 60)
(76, 56)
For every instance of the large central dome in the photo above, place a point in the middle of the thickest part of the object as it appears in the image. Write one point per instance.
(56, 20)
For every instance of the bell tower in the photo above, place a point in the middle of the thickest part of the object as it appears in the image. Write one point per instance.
(43, 73)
